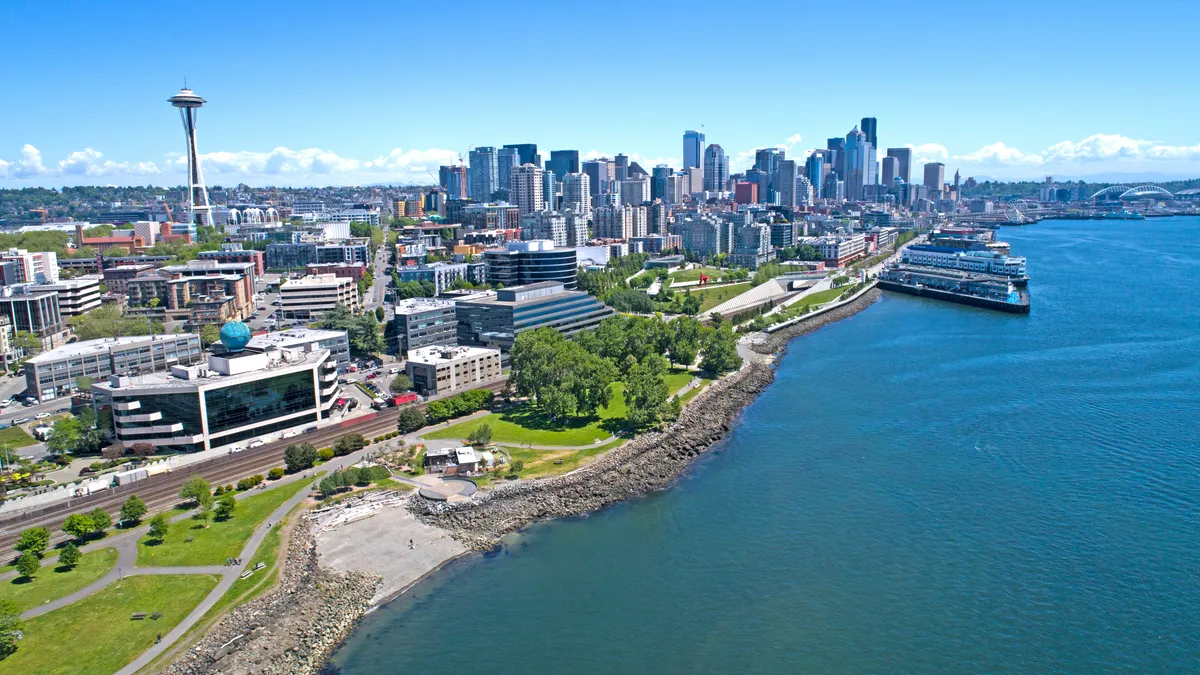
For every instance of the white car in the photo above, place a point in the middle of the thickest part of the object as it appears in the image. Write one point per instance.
(21, 420)
(393, 371)
(5, 403)
(256, 443)
(41, 415)
(236, 448)
(290, 433)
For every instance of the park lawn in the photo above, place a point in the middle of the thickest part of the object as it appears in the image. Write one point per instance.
(16, 437)
(524, 424)
(695, 391)
(822, 297)
(540, 463)
(694, 274)
(220, 540)
(711, 297)
(95, 636)
(54, 581)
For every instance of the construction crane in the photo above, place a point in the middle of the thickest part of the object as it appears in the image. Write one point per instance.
(41, 211)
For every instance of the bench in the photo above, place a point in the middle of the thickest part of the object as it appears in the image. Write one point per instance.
(259, 565)
(137, 616)
(245, 574)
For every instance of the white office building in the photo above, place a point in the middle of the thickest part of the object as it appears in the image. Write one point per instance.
(312, 295)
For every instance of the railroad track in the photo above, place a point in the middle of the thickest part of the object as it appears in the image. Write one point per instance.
(162, 491)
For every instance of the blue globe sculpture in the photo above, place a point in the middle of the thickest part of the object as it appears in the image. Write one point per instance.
(235, 335)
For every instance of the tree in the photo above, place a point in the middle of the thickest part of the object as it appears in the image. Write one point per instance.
(379, 314)
(195, 489)
(348, 444)
(410, 419)
(159, 527)
(225, 506)
(364, 334)
(325, 454)
(142, 449)
(64, 436)
(646, 392)
(69, 556)
(400, 384)
(91, 437)
(209, 334)
(720, 352)
(101, 521)
(10, 627)
(133, 509)
(299, 457)
(107, 321)
(204, 509)
(518, 466)
(78, 525)
(684, 342)
(482, 435)
(112, 452)
(28, 565)
(563, 378)
(33, 540)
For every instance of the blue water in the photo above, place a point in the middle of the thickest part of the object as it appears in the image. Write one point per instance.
(926, 488)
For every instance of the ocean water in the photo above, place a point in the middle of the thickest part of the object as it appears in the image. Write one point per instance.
(926, 488)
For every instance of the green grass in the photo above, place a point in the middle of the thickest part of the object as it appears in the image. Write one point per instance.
(822, 297)
(694, 274)
(525, 424)
(16, 437)
(220, 540)
(695, 391)
(541, 462)
(53, 581)
(95, 636)
(712, 297)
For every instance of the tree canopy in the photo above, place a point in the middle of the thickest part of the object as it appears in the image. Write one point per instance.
(363, 330)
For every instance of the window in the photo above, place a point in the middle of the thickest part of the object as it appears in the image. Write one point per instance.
(254, 402)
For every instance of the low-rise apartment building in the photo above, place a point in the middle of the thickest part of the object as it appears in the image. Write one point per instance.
(55, 373)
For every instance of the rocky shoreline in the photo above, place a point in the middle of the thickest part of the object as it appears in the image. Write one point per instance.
(297, 626)
(291, 629)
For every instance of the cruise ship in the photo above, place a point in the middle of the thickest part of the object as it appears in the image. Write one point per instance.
(981, 260)
(989, 291)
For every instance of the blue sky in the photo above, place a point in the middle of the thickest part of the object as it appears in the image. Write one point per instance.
(306, 93)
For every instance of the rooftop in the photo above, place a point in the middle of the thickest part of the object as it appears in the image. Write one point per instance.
(316, 280)
(293, 337)
(417, 305)
(243, 366)
(102, 345)
(437, 355)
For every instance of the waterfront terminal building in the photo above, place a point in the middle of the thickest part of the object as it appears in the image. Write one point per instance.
(241, 394)
(983, 261)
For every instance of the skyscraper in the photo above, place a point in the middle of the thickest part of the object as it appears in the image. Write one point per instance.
(620, 167)
(199, 210)
(868, 128)
(577, 194)
(904, 156)
(658, 182)
(763, 180)
(693, 148)
(767, 160)
(935, 175)
(857, 155)
(507, 158)
(482, 177)
(526, 153)
(601, 173)
(836, 148)
(716, 168)
(784, 182)
(549, 190)
(563, 162)
(453, 179)
(525, 188)
(891, 170)
(815, 169)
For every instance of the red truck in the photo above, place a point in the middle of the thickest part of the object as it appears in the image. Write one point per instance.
(401, 399)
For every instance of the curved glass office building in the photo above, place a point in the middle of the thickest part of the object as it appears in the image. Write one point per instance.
(530, 262)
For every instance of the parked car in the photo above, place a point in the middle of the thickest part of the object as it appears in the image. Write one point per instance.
(372, 376)
(41, 415)
(21, 420)
(289, 433)
(236, 448)
(309, 430)
(393, 371)
(5, 404)
(256, 443)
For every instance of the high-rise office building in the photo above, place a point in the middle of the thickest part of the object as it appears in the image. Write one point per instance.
(658, 182)
(563, 162)
(693, 148)
(601, 172)
(836, 151)
(904, 157)
(716, 168)
(526, 153)
(675, 188)
(577, 194)
(767, 160)
(635, 190)
(815, 168)
(763, 181)
(506, 160)
(891, 170)
(525, 188)
(453, 179)
(482, 176)
(784, 182)
(868, 128)
(549, 190)
(860, 162)
(620, 167)
(935, 176)
(804, 191)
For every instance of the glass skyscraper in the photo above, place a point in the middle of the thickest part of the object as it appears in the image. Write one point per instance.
(693, 148)
(483, 176)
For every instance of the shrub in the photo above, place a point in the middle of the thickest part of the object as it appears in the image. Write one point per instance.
(276, 473)
(219, 491)
(325, 454)
(299, 457)
(244, 484)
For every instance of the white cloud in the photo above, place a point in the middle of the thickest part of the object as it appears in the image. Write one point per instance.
(999, 153)
(88, 162)
(744, 159)
(30, 164)
(3, 169)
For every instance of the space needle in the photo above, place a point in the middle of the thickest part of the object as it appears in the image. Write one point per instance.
(199, 211)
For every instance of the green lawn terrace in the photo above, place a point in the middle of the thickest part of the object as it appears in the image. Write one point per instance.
(523, 424)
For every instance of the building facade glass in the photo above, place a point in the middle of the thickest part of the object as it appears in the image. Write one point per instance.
(249, 403)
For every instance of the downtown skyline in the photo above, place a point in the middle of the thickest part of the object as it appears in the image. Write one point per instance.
(285, 115)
